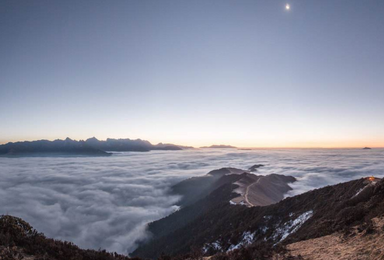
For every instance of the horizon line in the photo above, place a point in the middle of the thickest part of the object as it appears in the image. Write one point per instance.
(208, 146)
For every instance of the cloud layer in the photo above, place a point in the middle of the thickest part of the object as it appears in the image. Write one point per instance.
(106, 203)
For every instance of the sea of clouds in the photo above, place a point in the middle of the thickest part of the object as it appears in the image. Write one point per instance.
(106, 202)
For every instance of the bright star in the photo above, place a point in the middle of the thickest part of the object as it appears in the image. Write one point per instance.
(287, 7)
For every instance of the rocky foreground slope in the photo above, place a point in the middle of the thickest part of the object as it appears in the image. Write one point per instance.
(223, 228)
(360, 242)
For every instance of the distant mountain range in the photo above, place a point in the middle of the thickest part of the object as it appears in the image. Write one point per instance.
(220, 146)
(90, 147)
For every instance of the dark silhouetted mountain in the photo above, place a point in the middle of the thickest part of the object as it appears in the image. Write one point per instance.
(161, 146)
(90, 147)
(367, 148)
(128, 145)
(220, 146)
(255, 167)
(120, 145)
(44, 147)
(201, 195)
(196, 188)
(223, 228)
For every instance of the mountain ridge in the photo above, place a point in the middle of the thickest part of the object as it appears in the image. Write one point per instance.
(218, 188)
(224, 227)
(90, 147)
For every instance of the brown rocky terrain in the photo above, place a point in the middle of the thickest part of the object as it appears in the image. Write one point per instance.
(364, 243)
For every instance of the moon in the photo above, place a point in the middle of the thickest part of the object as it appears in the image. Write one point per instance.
(287, 7)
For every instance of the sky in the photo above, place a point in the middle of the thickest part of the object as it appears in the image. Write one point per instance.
(245, 73)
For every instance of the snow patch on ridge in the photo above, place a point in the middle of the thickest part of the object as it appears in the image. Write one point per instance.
(291, 226)
(372, 183)
(247, 239)
(232, 203)
(215, 245)
(242, 203)
(359, 191)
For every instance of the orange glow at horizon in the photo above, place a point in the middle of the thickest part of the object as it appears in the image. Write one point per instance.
(248, 144)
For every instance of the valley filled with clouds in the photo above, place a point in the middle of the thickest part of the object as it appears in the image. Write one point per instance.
(106, 202)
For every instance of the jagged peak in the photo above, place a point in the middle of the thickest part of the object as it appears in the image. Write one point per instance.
(92, 139)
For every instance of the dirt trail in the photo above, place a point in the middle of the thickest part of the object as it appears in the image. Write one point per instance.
(247, 192)
(258, 190)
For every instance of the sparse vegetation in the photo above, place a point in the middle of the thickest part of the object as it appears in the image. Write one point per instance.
(335, 208)
(18, 240)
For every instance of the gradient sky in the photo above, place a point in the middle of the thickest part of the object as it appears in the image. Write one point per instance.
(246, 73)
